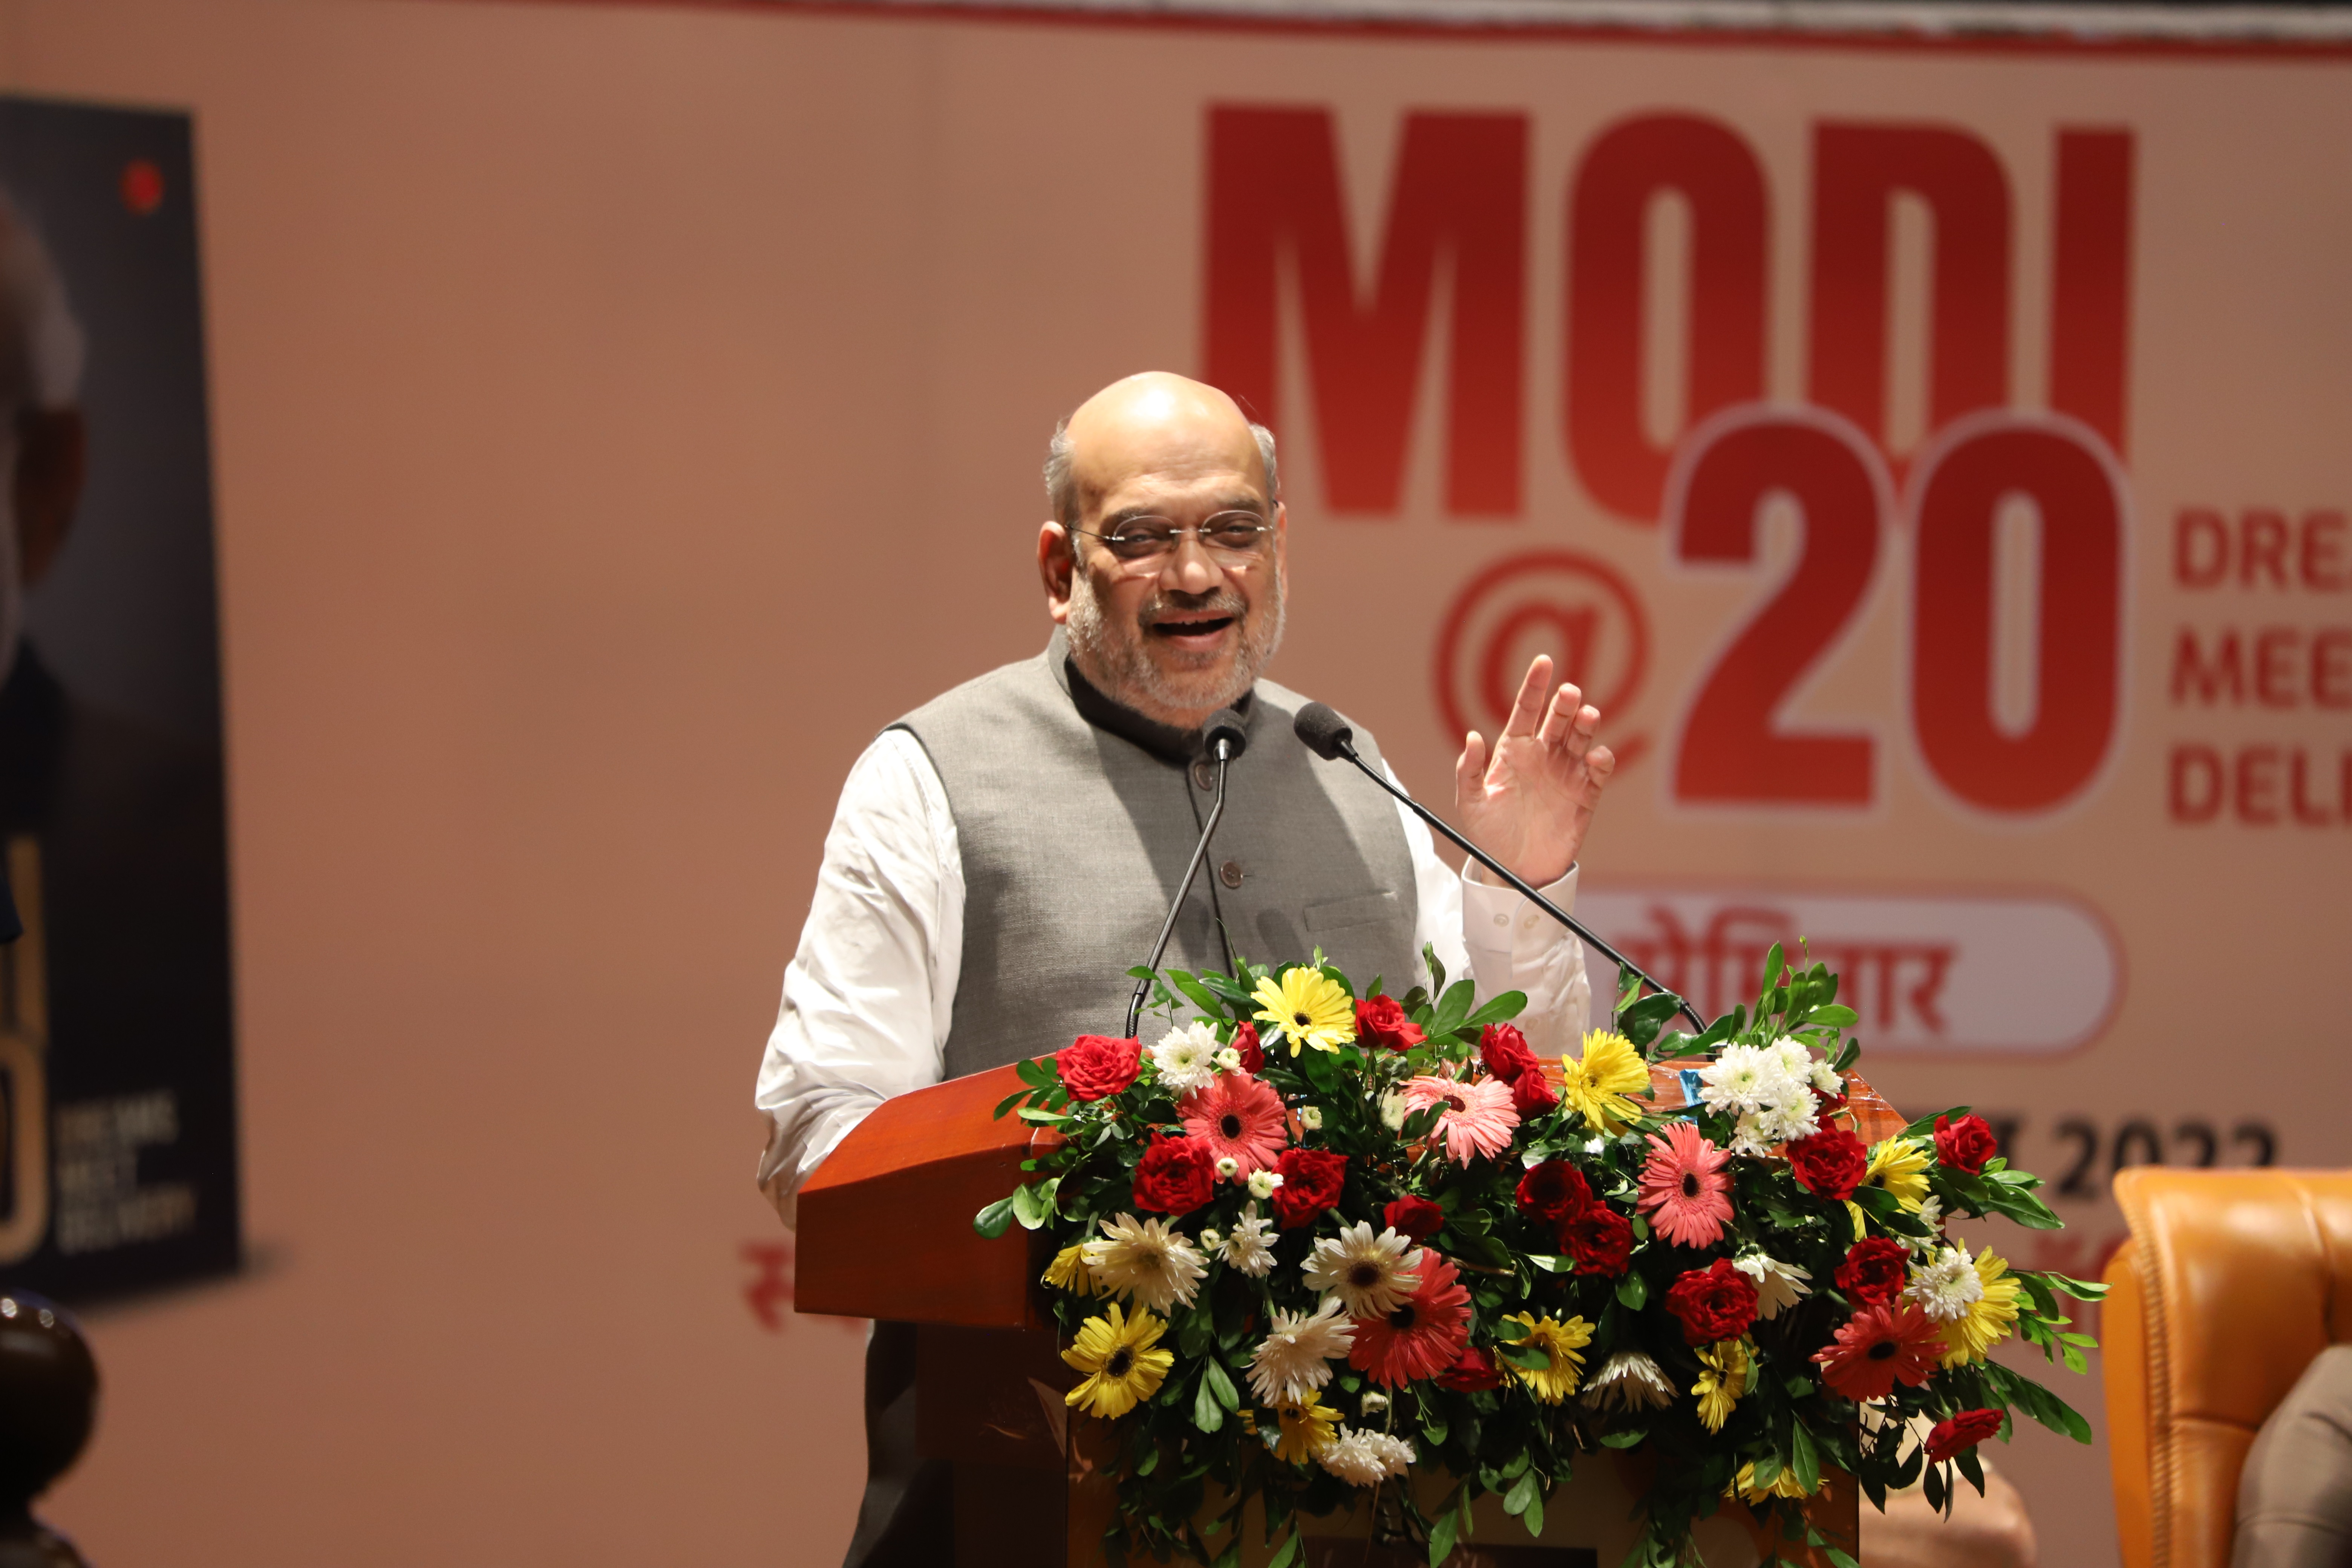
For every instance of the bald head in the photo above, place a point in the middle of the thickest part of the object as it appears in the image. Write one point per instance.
(1157, 423)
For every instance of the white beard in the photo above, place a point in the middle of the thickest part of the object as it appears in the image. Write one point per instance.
(1115, 658)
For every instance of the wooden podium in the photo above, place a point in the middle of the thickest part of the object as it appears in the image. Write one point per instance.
(885, 1232)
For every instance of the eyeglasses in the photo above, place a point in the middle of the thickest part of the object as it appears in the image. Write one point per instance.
(1237, 539)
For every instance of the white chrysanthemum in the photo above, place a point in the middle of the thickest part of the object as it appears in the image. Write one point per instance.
(1594, 1145)
(1629, 1380)
(1228, 1168)
(1736, 1082)
(1394, 1108)
(1761, 1086)
(1946, 1286)
(1365, 1458)
(1229, 1061)
(1371, 1402)
(1296, 1359)
(1825, 1078)
(1187, 1058)
(1931, 1213)
(1246, 1246)
(1145, 1261)
(1263, 1183)
(1372, 1275)
(1794, 1055)
(1779, 1286)
(1310, 1117)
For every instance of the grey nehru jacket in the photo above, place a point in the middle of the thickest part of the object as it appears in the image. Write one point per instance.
(1074, 818)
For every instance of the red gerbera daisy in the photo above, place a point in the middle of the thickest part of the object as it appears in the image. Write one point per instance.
(1422, 1337)
(1239, 1118)
(1879, 1347)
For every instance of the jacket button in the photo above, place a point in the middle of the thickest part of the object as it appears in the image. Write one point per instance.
(1205, 776)
(1230, 873)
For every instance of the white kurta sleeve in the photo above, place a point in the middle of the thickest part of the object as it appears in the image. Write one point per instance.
(1501, 941)
(870, 992)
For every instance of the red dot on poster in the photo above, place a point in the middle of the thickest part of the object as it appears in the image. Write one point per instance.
(142, 187)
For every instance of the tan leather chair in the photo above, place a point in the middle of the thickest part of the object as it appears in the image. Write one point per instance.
(2231, 1282)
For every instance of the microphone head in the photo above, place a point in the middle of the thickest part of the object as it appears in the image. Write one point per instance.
(1323, 732)
(1224, 725)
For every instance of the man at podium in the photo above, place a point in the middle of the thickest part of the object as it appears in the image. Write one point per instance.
(1001, 856)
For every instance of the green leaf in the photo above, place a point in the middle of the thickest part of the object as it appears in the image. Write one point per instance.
(1839, 1559)
(1632, 1292)
(1551, 1265)
(1522, 1493)
(1008, 1102)
(1436, 970)
(1535, 1358)
(1214, 1379)
(1836, 1015)
(2081, 1289)
(1207, 1414)
(1625, 1440)
(1452, 1007)
(1198, 993)
(1774, 962)
(1028, 1207)
(1641, 1021)
(1497, 1010)
(1031, 1113)
(1037, 1072)
(1282, 1558)
(1440, 1539)
(1533, 1516)
(994, 1220)
(1804, 1458)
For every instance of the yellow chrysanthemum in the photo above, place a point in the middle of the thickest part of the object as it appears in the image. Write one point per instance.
(1719, 1387)
(1743, 1487)
(1306, 1007)
(1563, 1342)
(1307, 1428)
(1900, 1166)
(1122, 1367)
(1599, 1086)
(1986, 1322)
(1068, 1271)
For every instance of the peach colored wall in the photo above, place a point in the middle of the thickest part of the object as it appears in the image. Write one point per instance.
(621, 413)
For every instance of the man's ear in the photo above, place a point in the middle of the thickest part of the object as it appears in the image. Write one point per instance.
(1055, 564)
(52, 456)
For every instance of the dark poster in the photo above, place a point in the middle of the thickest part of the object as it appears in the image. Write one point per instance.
(118, 1147)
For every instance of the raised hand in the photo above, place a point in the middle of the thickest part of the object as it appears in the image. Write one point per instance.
(1530, 803)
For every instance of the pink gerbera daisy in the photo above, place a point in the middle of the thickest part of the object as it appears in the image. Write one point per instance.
(1423, 1336)
(1685, 1184)
(1240, 1118)
(1474, 1119)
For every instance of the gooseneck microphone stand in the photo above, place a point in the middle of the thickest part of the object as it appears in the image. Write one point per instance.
(1328, 735)
(1223, 739)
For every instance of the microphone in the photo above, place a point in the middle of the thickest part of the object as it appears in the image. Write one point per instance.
(1328, 736)
(1223, 738)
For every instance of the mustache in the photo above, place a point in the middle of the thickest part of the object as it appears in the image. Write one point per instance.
(1218, 600)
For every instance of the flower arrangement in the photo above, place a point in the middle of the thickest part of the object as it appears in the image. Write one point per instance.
(1314, 1239)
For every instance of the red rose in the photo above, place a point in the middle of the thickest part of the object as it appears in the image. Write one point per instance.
(1532, 1094)
(1381, 1021)
(1963, 1431)
(1874, 1271)
(1093, 1066)
(1475, 1371)
(1965, 1144)
(1554, 1191)
(1244, 1040)
(1825, 1103)
(1311, 1180)
(1176, 1176)
(1505, 1051)
(1829, 1163)
(1416, 1217)
(1716, 1303)
(1600, 1239)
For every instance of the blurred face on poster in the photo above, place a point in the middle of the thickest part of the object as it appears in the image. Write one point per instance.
(1165, 566)
(41, 437)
